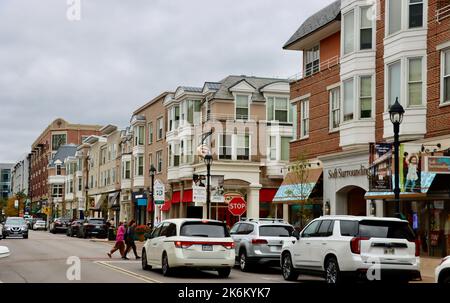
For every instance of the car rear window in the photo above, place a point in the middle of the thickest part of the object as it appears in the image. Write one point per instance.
(386, 229)
(96, 221)
(349, 228)
(206, 230)
(275, 231)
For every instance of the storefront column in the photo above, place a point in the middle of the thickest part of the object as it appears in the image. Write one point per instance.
(286, 212)
(253, 201)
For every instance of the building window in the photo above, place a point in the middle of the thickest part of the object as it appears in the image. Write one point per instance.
(415, 13)
(272, 148)
(80, 184)
(126, 170)
(139, 135)
(160, 125)
(71, 187)
(446, 76)
(293, 119)
(304, 106)
(312, 61)
(58, 141)
(335, 108)
(193, 111)
(278, 109)
(243, 147)
(139, 166)
(415, 82)
(348, 99)
(150, 160)
(395, 16)
(365, 97)
(394, 78)
(349, 32)
(150, 133)
(242, 107)
(285, 142)
(365, 28)
(159, 161)
(57, 191)
(103, 156)
(58, 170)
(225, 147)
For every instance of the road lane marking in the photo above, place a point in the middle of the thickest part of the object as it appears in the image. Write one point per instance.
(127, 272)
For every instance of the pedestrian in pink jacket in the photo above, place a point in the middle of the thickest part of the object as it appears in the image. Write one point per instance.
(120, 244)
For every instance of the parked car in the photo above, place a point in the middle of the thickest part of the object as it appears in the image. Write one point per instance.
(15, 227)
(59, 225)
(442, 272)
(93, 227)
(29, 220)
(194, 243)
(260, 241)
(73, 228)
(340, 247)
(40, 225)
(4, 252)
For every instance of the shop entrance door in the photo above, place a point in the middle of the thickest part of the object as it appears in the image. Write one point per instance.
(356, 204)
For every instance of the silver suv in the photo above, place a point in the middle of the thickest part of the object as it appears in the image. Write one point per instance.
(259, 241)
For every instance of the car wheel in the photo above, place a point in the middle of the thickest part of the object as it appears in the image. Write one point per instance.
(25, 236)
(166, 270)
(332, 273)
(145, 265)
(288, 271)
(445, 279)
(224, 272)
(243, 261)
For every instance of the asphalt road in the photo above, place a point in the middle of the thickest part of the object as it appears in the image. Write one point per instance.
(42, 258)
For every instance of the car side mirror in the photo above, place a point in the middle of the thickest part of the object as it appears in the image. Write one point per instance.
(296, 234)
(147, 236)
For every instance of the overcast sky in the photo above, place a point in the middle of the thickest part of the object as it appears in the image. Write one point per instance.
(123, 53)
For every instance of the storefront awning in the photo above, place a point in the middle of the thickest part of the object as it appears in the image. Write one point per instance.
(293, 190)
(266, 195)
(113, 200)
(99, 199)
(166, 206)
(426, 181)
(176, 197)
(187, 196)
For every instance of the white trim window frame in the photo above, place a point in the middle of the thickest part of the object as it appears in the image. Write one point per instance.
(445, 77)
(311, 61)
(348, 33)
(159, 161)
(242, 147)
(390, 98)
(272, 148)
(335, 108)
(365, 97)
(366, 25)
(150, 133)
(304, 118)
(394, 16)
(160, 126)
(402, 16)
(225, 144)
(273, 108)
(238, 106)
(416, 6)
(411, 83)
(348, 100)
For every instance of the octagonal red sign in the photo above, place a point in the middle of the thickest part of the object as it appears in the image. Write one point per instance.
(237, 206)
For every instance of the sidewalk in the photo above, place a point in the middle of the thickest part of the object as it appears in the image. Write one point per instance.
(427, 267)
(139, 245)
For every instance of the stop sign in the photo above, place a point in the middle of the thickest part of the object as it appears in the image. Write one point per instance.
(237, 206)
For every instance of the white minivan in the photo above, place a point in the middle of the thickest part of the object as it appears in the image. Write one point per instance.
(195, 243)
(340, 247)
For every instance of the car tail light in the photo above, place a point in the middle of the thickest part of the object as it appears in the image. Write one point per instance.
(259, 241)
(183, 244)
(416, 247)
(355, 244)
(228, 245)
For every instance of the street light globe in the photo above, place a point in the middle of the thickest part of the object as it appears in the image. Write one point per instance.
(396, 112)
(152, 170)
(208, 159)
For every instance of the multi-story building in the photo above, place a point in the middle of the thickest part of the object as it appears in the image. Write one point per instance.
(5, 180)
(359, 58)
(20, 176)
(57, 134)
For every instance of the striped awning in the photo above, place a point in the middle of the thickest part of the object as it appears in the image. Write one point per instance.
(294, 190)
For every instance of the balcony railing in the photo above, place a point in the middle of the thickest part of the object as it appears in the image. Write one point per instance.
(443, 12)
(214, 117)
(325, 65)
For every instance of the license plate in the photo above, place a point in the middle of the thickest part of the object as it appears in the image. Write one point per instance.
(275, 248)
(389, 251)
(207, 248)
(97, 227)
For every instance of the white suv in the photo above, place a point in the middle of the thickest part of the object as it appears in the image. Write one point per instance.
(443, 271)
(339, 247)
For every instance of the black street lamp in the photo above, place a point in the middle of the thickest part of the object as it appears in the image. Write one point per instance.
(208, 161)
(396, 113)
(152, 173)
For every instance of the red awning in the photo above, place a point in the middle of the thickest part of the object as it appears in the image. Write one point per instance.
(187, 196)
(166, 206)
(266, 195)
(176, 197)
(149, 206)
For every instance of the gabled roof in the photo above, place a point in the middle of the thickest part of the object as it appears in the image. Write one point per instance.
(320, 19)
(63, 153)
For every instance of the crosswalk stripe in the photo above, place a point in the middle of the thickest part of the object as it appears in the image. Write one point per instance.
(127, 272)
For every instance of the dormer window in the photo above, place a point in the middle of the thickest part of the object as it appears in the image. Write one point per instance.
(58, 169)
(242, 107)
(278, 109)
(312, 61)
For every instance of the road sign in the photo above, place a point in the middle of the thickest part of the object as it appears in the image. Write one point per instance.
(160, 193)
(198, 195)
(237, 206)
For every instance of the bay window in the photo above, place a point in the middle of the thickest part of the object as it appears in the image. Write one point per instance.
(365, 97)
(126, 170)
(335, 108)
(365, 35)
(242, 107)
(415, 82)
(243, 147)
(273, 148)
(349, 32)
(312, 61)
(415, 13)
(278, 109)
(285, 142)
(304, 107)
(394, 82)
(395, 16)
(193, 111)
(138, 136)
(174, 117)
(139, 166)
(348, 90)
(225, 147)
(445, 76)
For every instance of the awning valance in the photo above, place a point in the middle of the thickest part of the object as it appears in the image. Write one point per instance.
(266, 195)
(294, 189)
(187, 196)
(113, 200)
(99, 199)
(176, 197)
(166, 206)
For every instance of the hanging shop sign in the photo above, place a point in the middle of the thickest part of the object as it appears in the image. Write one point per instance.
(410, 168)
(217, 189)
(160, 193)
(380, 160)
(440, 165)
(199, 194)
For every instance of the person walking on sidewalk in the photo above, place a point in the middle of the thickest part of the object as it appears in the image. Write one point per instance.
(120, 244)
(129, 240)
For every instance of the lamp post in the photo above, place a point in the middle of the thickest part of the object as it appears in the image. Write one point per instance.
(208, 162)
(86, 188)
(396, 113)
(152, 173)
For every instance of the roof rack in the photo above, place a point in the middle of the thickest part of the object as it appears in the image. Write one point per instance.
(264, 219)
